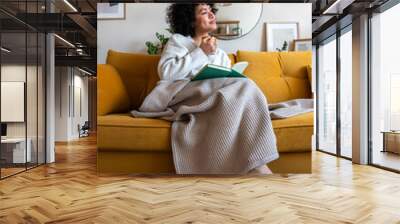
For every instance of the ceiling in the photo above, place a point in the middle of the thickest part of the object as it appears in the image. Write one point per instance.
(76, 25)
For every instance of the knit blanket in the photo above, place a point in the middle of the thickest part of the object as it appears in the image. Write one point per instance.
(291, 108)
(219, 126)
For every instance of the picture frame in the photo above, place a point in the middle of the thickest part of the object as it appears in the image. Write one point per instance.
(302, 44)
(111, 11)
(277, 33)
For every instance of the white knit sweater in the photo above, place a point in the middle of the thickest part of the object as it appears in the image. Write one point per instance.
(182, 58)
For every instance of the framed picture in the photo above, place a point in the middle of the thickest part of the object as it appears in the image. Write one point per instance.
(303, 44)
(280, 36)
(110, 10)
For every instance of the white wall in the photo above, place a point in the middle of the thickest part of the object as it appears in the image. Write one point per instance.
(67, 115)
(143, 20)
(62, 82)
(17, 73)
(81, 103)
(82, 82)
(33, 125)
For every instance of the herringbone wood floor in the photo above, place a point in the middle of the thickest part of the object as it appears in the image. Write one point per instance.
(70, 191)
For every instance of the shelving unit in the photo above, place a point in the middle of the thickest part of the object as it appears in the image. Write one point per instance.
(228, 28)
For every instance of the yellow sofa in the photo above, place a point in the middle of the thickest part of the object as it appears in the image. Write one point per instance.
(142, 145)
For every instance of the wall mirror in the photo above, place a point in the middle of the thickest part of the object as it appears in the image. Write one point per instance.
(235, 20)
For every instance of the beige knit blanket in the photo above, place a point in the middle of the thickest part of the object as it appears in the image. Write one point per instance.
(290, 108)
(219, 126)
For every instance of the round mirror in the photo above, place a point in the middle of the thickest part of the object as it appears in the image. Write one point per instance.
(235, 20)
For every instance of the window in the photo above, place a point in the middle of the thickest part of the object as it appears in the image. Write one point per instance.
(327, 96)
(335, 74)
(385, 87)
(22, 78)
(346, 93)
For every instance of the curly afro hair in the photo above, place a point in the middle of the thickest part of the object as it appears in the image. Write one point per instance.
(182, 16)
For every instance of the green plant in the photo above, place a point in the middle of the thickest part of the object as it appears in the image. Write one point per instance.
(157, 47)
(152, 48)
(284, 46)
(237, 30)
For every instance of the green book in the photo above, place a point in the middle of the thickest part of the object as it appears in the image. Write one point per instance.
(211, 71)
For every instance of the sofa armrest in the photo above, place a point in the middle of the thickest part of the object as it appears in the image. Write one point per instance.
(112, 95)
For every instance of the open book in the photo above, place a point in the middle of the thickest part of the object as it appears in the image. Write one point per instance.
(211, 71)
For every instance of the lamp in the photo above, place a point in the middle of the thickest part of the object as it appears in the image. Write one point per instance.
(337, 7)
(84, 71)
(64, 40)
(5, 50)
(70, 5)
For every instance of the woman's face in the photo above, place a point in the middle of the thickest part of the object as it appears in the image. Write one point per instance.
(205, 19)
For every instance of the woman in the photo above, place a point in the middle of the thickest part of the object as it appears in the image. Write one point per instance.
(246, 141)
(191, 47)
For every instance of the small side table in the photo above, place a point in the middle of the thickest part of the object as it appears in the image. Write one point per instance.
(391, 141)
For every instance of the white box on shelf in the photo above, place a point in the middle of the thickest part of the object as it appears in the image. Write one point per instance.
(19, 155)
(18, 150)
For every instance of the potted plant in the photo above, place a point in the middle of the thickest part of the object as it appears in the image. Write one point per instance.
(157, 47)
(284, 47)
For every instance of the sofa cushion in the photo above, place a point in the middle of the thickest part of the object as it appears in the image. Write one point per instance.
(294, 134)
(294, 67)
(280, 75)
(265, 70)
(294, 63)
(112, 96)
(138, 72)
(299, 88)
(122, 132)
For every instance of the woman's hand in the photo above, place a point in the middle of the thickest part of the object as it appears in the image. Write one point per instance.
(208, 44)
